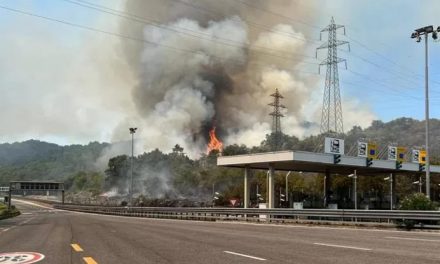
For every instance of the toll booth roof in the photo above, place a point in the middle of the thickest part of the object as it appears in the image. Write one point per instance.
(52, 182)
(319, 163)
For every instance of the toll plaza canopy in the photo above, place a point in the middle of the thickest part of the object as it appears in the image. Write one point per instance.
(36, 185)
(315, 162)
(318, 162)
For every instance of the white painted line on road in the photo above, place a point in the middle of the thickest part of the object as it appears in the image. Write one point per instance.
(26, 221)
(31, 203)
(243, 255)
(415, 239)
(301, 226)
(341, 246)
(19, 224)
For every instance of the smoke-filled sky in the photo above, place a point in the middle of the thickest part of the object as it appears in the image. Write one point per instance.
(175, 68)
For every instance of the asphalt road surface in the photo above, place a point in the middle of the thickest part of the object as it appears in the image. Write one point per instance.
(69, 237)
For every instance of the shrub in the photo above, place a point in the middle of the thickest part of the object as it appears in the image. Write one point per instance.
(416, 201)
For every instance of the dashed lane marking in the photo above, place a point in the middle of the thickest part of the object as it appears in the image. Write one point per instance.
(243, 255)
(77, 248)
(89, 260)
(341, 246)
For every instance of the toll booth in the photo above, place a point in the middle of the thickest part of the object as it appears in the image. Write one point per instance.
(35, 188)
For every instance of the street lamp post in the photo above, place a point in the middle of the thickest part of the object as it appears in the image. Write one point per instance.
(287, 186)
(130, 193)
(390, 178)
(354, 176)
(417, 35)
(419, 183)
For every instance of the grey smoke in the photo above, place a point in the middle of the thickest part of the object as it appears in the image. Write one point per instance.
(180, 95)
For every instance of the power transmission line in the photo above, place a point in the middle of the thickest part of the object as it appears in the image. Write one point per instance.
(276, 120)
(139, 40)
(176, 49)
(189, 32)
(331, 118)
(348, 37)
(250, 23)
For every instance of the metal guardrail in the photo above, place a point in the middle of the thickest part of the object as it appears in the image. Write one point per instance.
(254, 213)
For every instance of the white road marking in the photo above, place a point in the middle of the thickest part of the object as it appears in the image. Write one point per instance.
(243, 255)
(341, 246)
(26, 221)
(31, 203)
(301, 226)
(415, 239)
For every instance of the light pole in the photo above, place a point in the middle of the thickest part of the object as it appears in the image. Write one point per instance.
(354, 176)
(215, 198)
(281, 198)
(130, 192)
(287, 186)
(417, 35)
(390, 179)
(420, 183)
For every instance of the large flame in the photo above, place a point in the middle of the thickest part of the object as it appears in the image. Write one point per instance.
(214, 142)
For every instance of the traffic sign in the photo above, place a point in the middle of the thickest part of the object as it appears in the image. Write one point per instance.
(234, 201)
(401, 154)
(362, 149)
(20, 257)
(372, 150)
(415, 156)
(334, 146)
(367, 150)
(392, 153)
(422, 157)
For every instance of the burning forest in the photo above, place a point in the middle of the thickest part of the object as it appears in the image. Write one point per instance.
(196, 66)
(214, 143)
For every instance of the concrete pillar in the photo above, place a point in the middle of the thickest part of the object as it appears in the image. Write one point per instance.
(271, 188)
(246, 196)
(327, 185)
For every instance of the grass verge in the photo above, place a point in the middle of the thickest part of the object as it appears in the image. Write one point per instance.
(5, 213)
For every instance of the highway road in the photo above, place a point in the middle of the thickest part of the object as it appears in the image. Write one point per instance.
(70, 237)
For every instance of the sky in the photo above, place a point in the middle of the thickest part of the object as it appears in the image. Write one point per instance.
(69, 85)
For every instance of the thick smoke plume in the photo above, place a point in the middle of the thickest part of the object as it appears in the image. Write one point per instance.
(208, 63)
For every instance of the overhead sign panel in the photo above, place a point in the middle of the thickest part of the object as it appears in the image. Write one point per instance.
(362, 149)
(415, 157)
(422, 157)
(401, 154)
(367, 150)
(372, 150)
(334, 146)
(392, 153)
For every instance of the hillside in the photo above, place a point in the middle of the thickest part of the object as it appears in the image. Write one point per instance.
(33, 159)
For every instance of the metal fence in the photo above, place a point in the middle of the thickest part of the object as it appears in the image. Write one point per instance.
(262, 215)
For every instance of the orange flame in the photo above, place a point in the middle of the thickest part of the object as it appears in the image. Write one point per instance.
(214, 142)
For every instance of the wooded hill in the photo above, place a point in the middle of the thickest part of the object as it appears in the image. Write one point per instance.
(170, 173)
